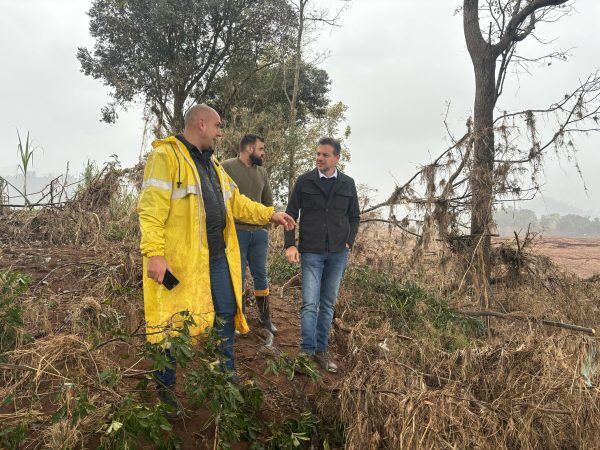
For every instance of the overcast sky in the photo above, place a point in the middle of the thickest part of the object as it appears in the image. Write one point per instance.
(395, 63)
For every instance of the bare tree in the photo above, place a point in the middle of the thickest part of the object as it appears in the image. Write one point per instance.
(486, 166)
(510, 22)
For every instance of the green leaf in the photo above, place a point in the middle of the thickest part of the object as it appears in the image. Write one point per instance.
(114, 426)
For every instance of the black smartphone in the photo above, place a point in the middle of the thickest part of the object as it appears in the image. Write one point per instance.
(169, 280)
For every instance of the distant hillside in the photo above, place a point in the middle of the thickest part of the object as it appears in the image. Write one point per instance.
(548, 205)
(510, 220)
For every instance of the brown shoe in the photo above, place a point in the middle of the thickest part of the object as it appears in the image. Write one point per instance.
(323, 360)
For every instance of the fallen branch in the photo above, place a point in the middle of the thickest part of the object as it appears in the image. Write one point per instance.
(568, 326)
(288, 283)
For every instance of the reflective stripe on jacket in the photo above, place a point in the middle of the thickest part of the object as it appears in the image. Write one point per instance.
(173, 224)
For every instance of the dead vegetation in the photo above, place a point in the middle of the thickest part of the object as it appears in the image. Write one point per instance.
(517, 393)
(102, 210)
(418, 371)
(423, 378)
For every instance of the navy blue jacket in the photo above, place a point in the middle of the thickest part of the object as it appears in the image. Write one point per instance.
(327, 222)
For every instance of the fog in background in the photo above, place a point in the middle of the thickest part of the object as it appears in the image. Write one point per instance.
(395, 63)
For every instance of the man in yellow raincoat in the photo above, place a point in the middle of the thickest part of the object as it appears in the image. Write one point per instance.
(187, 209)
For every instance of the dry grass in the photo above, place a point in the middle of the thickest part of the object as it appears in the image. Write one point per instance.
(516, 394)
(53, 360)
(521, 385)
(54, 369)
(100, 212)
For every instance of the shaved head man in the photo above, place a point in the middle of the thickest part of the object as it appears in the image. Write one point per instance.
(187, 209)
(203, 126)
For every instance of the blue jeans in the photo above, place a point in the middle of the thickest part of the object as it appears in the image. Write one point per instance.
(254, 248)
(223, 297)
(225, 306)
(321, 277)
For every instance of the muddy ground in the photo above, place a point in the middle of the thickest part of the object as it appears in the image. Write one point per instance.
(580, 256)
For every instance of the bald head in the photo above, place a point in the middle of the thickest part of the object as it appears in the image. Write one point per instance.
(198, 112)
(202, 126)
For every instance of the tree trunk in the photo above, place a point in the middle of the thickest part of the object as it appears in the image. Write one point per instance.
(178, 123)
(483, 57)
(294, 100)
(482, 174)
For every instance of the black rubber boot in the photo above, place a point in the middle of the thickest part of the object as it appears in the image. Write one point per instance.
(262, 302)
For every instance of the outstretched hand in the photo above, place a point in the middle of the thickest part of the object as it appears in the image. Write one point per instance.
(283, 219)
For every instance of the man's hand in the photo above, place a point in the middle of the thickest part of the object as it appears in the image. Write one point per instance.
(283, 219)
(292, 255)
(156, 268)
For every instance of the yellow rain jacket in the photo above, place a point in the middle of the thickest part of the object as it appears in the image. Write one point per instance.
(173, 224)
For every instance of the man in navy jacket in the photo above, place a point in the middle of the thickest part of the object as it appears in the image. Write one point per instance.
(326, 202)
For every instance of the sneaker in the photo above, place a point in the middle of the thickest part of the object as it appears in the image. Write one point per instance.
(323, 360)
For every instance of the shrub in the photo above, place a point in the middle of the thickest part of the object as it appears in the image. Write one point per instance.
(12, 286)
(410, 307)
(280, 270)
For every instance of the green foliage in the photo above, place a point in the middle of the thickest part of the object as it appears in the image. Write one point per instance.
(302, 363)
(232, 406)
(72, 407)
(179, 343)
(12, 286)
(263, 92)
(89, 175)
(569, 225)
(293, 433)
(280, 270)
(109, 378)
(123, 220)
(511, 219)
(134, 418)
(129, 422)
(410, 307)
(279, 139)
(13, 436)
(172, 52)
(95, 322)
(25, 153)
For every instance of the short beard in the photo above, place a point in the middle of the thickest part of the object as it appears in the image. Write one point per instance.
(256, 161)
